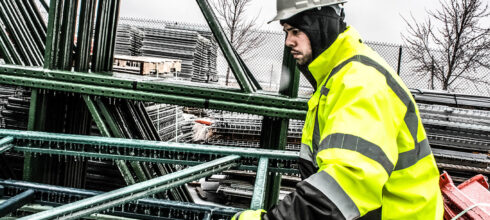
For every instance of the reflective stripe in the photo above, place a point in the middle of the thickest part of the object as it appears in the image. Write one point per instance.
(305, 153)
(358, 144)
(410, 158)
(324, 91)
(332, 190)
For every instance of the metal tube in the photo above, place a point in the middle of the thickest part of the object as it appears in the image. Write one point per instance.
(68, 24)
(258, 198)
(16, 202)
(140, 190)
(226, 46)
(67, 192)
(30, 20)
(6, 16)
(154, 97)
(50, 54)
(148, 145)
(25, 33)
(84, 37)
(265, 99)
(96, 116)
(5, 144)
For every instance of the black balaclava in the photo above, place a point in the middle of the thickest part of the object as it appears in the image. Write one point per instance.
(322, 26)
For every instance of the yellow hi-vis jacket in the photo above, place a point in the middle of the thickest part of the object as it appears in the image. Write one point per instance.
(364, 147)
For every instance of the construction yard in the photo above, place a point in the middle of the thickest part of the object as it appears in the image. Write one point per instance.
(137, 119)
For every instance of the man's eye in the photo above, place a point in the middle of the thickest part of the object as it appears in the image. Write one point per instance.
(295, 32)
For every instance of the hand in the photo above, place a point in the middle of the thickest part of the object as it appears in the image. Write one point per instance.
(249, 215)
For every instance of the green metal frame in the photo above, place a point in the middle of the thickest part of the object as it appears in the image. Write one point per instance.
(137, 191)
(277, 109)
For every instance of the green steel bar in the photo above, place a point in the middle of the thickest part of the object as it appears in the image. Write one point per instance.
(149, 145)
(67, 34)
(16, 202)
(5, 144)
(112, 34)
(108, 118)
(50, 54)
(96, 116)
(275, 130)
(14, 32)
(31, 126)
(286, 105)
(153, 97)
(121, 165)
(6, 50)
(161, 87)
(71, 192)
(38, 19)
(30, 20)
(148, 159)
(84, 36)
(25, 32)
(258, 198)
(140, 190)
(226, 46)
(100, 39)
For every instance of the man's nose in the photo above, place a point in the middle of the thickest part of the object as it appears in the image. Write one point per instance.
(289, 42)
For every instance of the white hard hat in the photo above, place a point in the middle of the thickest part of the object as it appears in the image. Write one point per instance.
(288, 8)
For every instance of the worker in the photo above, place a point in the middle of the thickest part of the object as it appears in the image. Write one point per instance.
(364, 152)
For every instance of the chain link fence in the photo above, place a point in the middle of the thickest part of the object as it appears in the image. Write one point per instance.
(265, 61)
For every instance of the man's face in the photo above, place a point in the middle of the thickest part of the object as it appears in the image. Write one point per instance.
(299, 43)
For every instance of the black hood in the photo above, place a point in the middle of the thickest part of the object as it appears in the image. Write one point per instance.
(322, 26)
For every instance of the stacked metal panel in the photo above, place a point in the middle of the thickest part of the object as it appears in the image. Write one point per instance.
(198, 54)
(129, 40)
(242, 130)
(14, 107)
(460, 139)
(170, 122)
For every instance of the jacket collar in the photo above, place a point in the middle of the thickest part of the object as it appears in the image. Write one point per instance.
(343, 48)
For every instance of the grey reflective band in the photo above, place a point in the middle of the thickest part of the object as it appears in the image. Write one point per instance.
(358, 144)
(324, 91)
(327, 185)
(410, 158)
(305, 152)
(315, 141)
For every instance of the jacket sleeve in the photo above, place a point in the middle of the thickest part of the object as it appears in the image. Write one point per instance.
(358, 123)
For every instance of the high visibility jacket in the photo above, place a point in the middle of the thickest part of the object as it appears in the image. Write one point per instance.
(364, 150)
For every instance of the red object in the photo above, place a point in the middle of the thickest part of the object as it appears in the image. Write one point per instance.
(204, 122)
(467, 194)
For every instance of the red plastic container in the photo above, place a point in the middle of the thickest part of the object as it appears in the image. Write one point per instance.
(471, 192)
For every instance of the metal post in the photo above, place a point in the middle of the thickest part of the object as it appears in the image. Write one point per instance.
(134, 192)
(16, 202)
(399, 60)
(5, 144)
(275, 130)
(258, 198)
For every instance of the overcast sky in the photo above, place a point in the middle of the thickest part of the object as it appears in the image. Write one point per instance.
(376, 20)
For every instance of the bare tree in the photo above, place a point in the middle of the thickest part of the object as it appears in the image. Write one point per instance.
(452, 46)
(242, 32)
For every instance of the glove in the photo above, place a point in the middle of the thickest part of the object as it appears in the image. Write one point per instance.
(249, 215)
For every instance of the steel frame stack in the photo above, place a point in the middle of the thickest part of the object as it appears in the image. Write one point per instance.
(92, 85)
